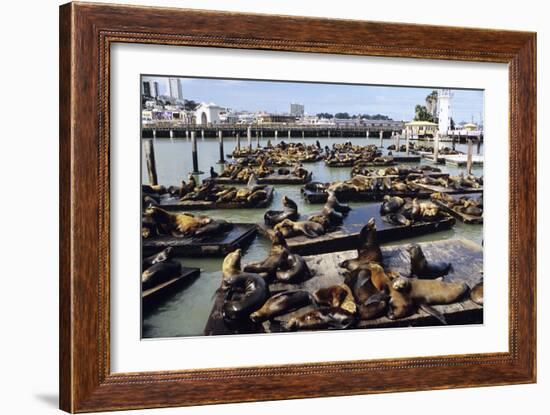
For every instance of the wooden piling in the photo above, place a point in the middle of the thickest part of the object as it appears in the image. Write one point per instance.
(257, 139)
(249, 137)
(381, 139)
(469, 157)
(407, 143)
(436, 148)
(238, 142)
(202, 134)
(151, 165)
(195, 153)
(288, 135)
(478, 145)
(220, 139)
(397, 139)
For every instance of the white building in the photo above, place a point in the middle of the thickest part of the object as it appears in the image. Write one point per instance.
(297, 110)
(150, 87)
(208, 113)
(444, 110)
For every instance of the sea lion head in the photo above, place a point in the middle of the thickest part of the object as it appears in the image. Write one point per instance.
(371, 225)
(415, 251)
(232, 262)
(277, 238)
(401, 284)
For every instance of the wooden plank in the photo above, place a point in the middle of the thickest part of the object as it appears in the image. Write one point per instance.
(465, 255)
(449, 190)
(218, 245)
(367, 196)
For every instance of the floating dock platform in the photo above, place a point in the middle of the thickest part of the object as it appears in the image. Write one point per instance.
(173, 204)
(269, 179)
(345, 237)
(463, 217)
(449, 190)
(367, 196)
(466, 257)
(240, 236)
(154, 295)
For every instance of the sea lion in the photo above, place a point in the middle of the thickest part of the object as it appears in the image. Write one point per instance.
(476, 294)
(332, 202)
(336, 296)
(176, 224)
(273, 217)
(374, 307)
(281, 304)
(293, 269)
(421, 268)
(391, 204)
(289, 228)
(231, 269)
(164, 255)
(368, 250)
(277, 255)
(159, 273)
(422, 294)
(247, 293)
(396, 219)
(213, 173)
(320, 219)
(214, 227)
(322, 318)
(361, 285)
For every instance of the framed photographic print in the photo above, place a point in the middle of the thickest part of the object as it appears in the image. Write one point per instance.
(253, 208)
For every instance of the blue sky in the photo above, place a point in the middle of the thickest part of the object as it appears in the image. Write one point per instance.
(276, 96)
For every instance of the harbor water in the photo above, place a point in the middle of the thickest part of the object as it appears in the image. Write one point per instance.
(186, 312)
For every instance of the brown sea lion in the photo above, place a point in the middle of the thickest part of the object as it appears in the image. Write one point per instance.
(273, 217)
(476, 294)
(368, 250)
(289, 228)
(277, 255)
(176, 224)
(231, 268)
(391, 204)
(322, 318)
(336, 296)
(160, 272)
(421, 268)
(332, 202)
(281, 304)
(374, 307)
(214, 227)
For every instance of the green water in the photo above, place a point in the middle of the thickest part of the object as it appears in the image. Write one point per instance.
(186, 312)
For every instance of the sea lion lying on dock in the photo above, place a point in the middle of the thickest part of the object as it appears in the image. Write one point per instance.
(281, 304)
(273, 217)
(289, 228)
(476, 294)
(321, 318)
(246, 294)
(231, 269)
(160, 272)
(176, 224)
(336, 296)
(421, 268)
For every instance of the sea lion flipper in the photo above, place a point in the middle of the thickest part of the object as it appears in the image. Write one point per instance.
(433, 312)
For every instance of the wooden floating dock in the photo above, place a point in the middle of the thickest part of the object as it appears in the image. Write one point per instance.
(240, 236)
(405, 158)
(457, 160)
(173, 204)
(466, 257)
(154, 295)
(463, 217)
(448, 190)
(269, 179)
(366, 196)
(345, 237)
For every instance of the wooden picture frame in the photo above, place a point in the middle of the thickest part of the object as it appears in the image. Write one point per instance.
(86, 33)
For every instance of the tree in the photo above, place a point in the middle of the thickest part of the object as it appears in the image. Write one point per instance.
(421, 114)
(189, 104)
(342, 115)
(325, 115)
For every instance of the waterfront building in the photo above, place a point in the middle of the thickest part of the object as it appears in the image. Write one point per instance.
(150, 88)
(208, 113)
(297, 110)
(420, 129)
(267, 118)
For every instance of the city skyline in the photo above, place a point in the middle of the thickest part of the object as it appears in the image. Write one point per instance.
(397, 102)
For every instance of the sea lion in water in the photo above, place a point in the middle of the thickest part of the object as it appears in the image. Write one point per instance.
(421, 268)
(273, 217)
(336, 296)
(164, 255)
(281, 304)
(368, 251)
(476, 294)
(322, 318)
(160, 272)
(247, 293)
(293, 269)
(278, 253)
